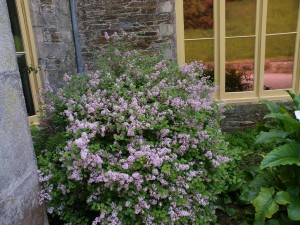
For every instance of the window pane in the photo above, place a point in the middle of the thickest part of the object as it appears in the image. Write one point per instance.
(199, 25)
(282, 16)
(26, 84)
(279, 61)
(198, 18)
(239, 64)
(15, 25)
(240, 17)
(201, 50)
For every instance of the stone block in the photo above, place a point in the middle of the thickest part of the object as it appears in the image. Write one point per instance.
(166, 7)
(26, 210)
(18, 179)
(166, 29)
(7, 53)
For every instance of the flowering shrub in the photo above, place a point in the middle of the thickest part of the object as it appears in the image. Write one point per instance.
(136, 141)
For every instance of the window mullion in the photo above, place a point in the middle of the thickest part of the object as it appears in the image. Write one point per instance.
(296, 69)
(30, 53)
(180, 32)
(261, 27)
(220, 45)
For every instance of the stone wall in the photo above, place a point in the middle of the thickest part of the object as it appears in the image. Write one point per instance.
(52, 26)
(242, 116)
(152, 20)
(245, 115)
(18, 178)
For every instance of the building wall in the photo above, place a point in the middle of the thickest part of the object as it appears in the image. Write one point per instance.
(153, 21)
(52, 26)
(18, 170)
(245, 115)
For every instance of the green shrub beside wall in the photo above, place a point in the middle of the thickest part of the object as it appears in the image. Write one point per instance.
(136, 141)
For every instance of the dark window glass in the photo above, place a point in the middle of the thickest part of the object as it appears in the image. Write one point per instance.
(21, 56)
(26, 84)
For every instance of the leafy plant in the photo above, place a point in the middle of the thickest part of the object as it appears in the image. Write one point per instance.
(137, 141)
(274, 190)
(233, 210)
(236, 80)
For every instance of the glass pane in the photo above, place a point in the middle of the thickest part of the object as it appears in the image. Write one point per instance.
(279, 63)
(198, 18)
(239, 64)
(26, 84)
(282, 16)
(240, 17)
(12, 9)
(200, 50)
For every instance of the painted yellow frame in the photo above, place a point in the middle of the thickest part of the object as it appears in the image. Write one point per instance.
(219, 54)
(31, 57)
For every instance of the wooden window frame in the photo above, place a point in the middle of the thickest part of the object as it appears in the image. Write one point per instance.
(31, 57)
(259, 58)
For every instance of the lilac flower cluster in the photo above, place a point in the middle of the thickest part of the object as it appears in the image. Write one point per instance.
(142, 142)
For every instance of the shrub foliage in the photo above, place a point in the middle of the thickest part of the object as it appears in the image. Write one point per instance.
(137, 141)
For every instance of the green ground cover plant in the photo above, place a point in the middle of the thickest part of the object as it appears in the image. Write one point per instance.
(232, 210)
(136, 142)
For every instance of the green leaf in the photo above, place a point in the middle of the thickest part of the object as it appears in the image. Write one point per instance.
(244, 223)
(288, 154)
(284, 220)
(232, 212)
(295, 97)
(263, 179)
(265, 205)
(282, 198)
(273, 136)
(288, 175)
(273, 222)
(294, 209)
(257, 222)
(285, 121)
(248, 194)
(293, 190)
(273, 107)
(251, 190)
(166, 169)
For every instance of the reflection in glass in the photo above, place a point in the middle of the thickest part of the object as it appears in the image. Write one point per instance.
(279, 63)
(198, 18)
(239, 64)
(199, 26)
(240, 18)
(200, 50)
(282, 16)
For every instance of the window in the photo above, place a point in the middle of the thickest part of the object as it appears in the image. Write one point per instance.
(250, 47)
(26, 58)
